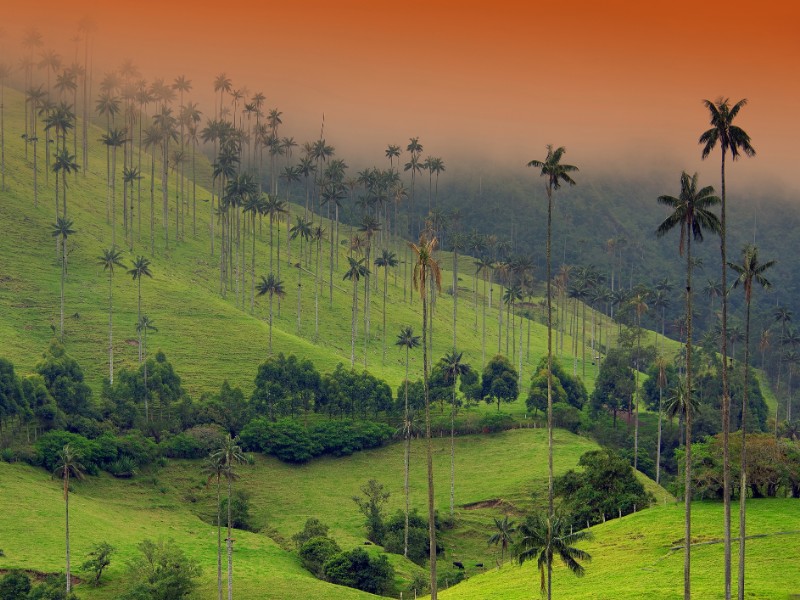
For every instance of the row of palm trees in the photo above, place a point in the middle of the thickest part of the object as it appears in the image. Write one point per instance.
(692, 216)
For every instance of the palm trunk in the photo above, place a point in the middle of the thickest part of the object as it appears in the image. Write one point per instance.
(743, 465)
(658, 448)
(431, 512)
(455, 295)
(63, 275)
(687, 550)
(270, 321)
(549, 383)
(110, 331)
(385, 290)
(66, 518)
(453, 454)
(353, 324)
(407, 457)
(219, 543)
(229, 541)
(726, 398)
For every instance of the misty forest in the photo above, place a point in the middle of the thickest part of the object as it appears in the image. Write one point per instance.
(237, 362)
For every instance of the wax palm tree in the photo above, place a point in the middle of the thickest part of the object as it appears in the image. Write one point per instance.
(68, 465)
(356, 271)
(62, 229)
(386, 260)
(140, 269)
(406, 339)
(274, 287)
(692, 214)
(223, 85)
(749, 272)
(110, 258)
(735, 140)
(230, 454)
(503, 536)
(453, 368)
(64, 164)
(427, 273)
(392, 152)
(542, 538)
(555, 173)
(369, 226)
(301, 229)
(214, 469)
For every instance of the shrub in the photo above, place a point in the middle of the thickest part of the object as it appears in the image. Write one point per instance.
(313, 528)
(51, 443)
(15, 586)
(316, 551)
(494, 422)
(358, 570)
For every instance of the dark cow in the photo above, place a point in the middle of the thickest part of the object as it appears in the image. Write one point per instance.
(458, 565)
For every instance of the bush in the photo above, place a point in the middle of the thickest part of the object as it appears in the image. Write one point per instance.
(341, 438)
(124, 467)
(494, 422)
(162, 571)
(418, 540)
(15, 586)
(51, 443)
(567, 417)
(313, 528)
(358, 570)
(316, 551)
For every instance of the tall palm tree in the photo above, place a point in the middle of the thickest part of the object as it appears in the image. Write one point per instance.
(356, 271)
(230, 454)
(692, 214)
(140, 269)
(406, 339)
(749, 272)
(62, 229)
(733, 139)
(386, 259)
(68, 465)
(453, 368)
(427, 273)
(555, 173)
(544, 537)
(504, 536)
(110, 258)
(214, 469)
(274, 287)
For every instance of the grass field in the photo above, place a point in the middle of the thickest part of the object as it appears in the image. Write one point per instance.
(640, 556)
(509, 467)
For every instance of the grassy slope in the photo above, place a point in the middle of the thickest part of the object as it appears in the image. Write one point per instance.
(167, 504)
(635, 557)
(207, 338)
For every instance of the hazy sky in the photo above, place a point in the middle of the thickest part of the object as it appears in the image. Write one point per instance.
(618, 83)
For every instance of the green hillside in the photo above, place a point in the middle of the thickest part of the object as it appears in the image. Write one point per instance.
(169, 503)
(207, 337)
(641, 556)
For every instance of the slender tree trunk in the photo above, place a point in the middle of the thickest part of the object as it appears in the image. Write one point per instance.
(66, 515)
(726, 397)
(550, 511)
(353, 324)
(407, 457)
(743, 462)
(219, 543)
(687, 550)
(385, 290)
(455, 295)
(270, 321)
(63, 276)
(431, 512)
(229, 540)
(110, 329)
(453, 454)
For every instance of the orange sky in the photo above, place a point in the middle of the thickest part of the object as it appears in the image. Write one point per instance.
(616, 82)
